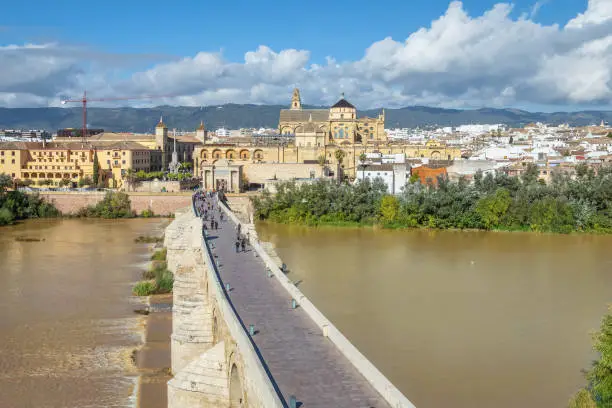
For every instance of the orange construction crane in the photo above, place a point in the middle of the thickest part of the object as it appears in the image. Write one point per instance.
(84, 100)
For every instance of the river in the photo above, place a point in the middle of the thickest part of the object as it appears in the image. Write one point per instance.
(459, 319)
(67, 321)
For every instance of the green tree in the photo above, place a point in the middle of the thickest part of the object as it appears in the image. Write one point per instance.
(96, 169)
(582, 399)
(600, 375)
(362, 157)
(609, 135)
(5, 182)
(414, 178)
(494, 207)
(389, 208)
(531, 173)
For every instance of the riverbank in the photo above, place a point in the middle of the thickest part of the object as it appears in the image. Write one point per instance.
(153, 358)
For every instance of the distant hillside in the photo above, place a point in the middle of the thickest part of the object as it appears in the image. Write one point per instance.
(236, 116)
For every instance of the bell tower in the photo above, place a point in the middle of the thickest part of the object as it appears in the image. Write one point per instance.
(296, 101)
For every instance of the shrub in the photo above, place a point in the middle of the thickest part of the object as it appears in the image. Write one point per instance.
(164, 281)
(147, 239)
(113, 205)
(144, 288)
(159, 255)
(147, 213)
(6, 216)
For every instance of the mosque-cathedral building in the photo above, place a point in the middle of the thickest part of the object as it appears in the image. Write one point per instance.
(317, 134)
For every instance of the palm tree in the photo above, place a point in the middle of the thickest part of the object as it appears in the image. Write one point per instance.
(339, 154)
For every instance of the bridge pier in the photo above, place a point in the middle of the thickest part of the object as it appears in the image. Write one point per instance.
(203, 383)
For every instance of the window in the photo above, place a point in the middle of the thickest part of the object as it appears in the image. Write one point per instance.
(13, 161)
(124, 153)
(123, 162)
(2, 161)
(108, 153)
(13, 175)
(12, 153)
(342, 116)
(2, 153)
(108, 162)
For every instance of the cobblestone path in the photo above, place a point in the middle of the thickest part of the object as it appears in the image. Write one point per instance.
(301, 360)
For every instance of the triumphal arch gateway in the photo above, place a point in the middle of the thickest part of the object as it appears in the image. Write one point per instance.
(319, 137)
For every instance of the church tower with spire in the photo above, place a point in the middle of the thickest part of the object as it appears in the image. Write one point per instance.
(296, 101)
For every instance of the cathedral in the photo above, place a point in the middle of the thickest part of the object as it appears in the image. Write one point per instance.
(338, 125)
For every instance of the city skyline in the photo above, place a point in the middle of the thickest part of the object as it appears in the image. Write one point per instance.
(545, 55)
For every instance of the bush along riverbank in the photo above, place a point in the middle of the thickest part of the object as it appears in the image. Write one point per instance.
(115, 204)
(158, 279)
(15, 205)
(492, 202)
(598, 392)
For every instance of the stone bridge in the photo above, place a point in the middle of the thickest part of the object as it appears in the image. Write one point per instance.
(243, 335)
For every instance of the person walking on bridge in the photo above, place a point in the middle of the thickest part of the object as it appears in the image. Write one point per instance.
(243, 244)
(237, 246)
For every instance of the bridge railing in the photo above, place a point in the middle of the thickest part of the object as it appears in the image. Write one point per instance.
(257, 380)
(385, 388)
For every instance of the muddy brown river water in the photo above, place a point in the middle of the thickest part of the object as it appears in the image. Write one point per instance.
(459, 319)
(67, 326)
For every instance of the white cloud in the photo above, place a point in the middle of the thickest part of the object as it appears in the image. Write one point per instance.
(458, 61)
(598, 11)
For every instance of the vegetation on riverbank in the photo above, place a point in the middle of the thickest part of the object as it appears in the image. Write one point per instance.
(15, 205)
(494, 202)
(158, 279)
(113, 205)
(598, 392)
(148, 239)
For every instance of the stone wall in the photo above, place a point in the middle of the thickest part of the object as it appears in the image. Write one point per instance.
(161, 204)
(156, 186)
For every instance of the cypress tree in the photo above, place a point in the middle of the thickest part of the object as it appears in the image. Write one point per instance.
(96, 169)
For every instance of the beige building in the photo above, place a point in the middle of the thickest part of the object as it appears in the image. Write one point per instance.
(38, 162)
(331, 138)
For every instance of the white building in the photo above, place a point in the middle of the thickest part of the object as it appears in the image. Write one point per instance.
(222, 132)
(395, 176)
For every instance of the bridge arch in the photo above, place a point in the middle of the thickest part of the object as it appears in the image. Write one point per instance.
(236, 392)
(435, 155)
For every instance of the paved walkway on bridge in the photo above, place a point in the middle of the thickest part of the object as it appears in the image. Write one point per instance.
(302, 361)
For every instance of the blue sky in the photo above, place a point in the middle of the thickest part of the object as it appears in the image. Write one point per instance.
(137, 46)
(342, 29)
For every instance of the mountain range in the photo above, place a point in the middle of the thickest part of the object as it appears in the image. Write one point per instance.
(234, 116)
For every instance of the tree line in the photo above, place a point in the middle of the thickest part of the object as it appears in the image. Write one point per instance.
(15, 205)
(582, 202)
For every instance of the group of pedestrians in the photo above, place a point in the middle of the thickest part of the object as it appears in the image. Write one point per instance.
(241, 240)
(206, 207)
(205, 204)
